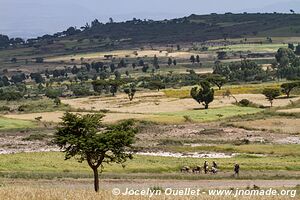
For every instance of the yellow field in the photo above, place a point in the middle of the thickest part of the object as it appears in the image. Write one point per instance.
(283, 125)
(147, 105)
(127, 54)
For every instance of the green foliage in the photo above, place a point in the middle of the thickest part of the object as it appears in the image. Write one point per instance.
(244, 102)
(130, 91)
(297, 50)
(204, 95)
(291, 46)
(217, 80)
(156, 84)
(288, 64)
(85, 137)
(53, 93)
(80, 90)
(109, 86)
(11, 93)
(4, 108)
(271, 94)
(288, 87)
(246, 71)
(248, 103)
(57, 101)
(37, 77)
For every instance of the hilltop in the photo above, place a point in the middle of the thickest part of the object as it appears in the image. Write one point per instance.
(198, 28)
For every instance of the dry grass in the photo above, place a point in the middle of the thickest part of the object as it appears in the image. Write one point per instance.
(156, 102)
(31, 193)
(282, 125)
(56, 116)
(145, 105)
(127, 53)
(293, 110)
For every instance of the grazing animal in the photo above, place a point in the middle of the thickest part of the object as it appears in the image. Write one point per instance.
(185, 169)
(197, 169)
(214, 170)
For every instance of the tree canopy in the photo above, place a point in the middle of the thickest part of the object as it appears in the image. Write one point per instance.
(204, 95)
(87, 139)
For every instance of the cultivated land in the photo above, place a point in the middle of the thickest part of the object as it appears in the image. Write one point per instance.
(174, 130)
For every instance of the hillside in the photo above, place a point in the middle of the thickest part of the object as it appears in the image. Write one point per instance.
(99, 37)
(199, 28)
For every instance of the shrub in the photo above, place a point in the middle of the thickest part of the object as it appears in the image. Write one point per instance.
(244, 102)
(10, 94)
(4, 108)
(53, 93)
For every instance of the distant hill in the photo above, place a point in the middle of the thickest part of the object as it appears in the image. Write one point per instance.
(198, 28)
(194, 28)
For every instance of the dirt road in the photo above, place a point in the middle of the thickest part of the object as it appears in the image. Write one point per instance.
(147, 183)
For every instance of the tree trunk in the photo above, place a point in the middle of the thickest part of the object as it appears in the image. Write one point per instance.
(206, 106)
(96, 179)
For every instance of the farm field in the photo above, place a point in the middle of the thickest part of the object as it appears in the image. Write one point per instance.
(52, 164)
(6, 123)
(151, 106)
(283, 125)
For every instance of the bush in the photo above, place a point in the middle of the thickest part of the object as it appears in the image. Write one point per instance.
(10, 94)
(53, 93)
(23, 108)
(4, 108)
(81, 90)
(244, 102)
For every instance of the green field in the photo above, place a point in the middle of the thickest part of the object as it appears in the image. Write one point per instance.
(234, 89)
(271, 48)
(52, 164)
(203, 115)
(7, 124)
(263, 149)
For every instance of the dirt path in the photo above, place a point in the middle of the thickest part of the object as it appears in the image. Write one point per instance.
(146, 183)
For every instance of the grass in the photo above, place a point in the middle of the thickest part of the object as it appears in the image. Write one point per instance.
(34, 106)
(272, 47)
(234, 89)
(35, 136)
(8, 124)
(48, 193)
(47, 163)
(275, 150)
(203, 115)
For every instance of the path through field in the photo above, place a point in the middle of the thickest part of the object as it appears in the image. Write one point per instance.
(146, 183)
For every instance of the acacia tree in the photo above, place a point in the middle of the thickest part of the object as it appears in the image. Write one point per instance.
(288, 87)
(85, 138)
(204, 95)
(156, 84)
(217, 80)
(271, 94)
(130, 91)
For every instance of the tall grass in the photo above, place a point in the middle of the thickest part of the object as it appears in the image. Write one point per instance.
(234, 89)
